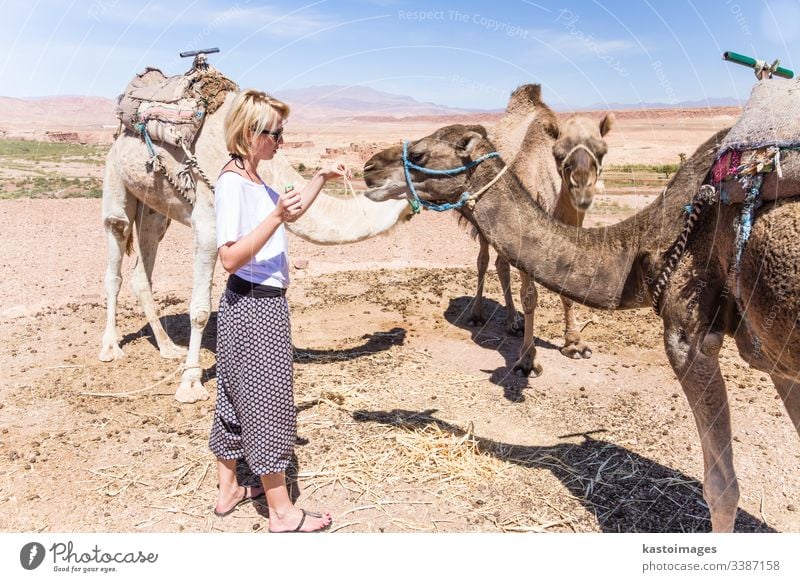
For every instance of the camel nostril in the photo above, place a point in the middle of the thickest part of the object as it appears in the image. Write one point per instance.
(368, 167)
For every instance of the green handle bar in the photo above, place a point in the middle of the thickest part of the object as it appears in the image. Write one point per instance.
(753, 63)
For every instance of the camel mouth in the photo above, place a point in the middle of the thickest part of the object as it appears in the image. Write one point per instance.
(582, 198)
(387, 191)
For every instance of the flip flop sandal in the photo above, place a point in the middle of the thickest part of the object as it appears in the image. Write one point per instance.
(302, 521)
(245, 499)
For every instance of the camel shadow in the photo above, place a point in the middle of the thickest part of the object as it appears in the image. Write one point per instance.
(375, 342)
(492, 335)
(625, 491)
(178, 327)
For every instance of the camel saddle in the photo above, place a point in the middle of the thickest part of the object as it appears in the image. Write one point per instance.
(172, 109)
(764, 143)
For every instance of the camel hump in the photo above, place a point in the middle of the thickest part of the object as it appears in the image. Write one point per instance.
(526, 96)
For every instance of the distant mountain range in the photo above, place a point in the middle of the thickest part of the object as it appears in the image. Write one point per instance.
(356, 101)
(697, 104)
(331, 102)
(71, 110)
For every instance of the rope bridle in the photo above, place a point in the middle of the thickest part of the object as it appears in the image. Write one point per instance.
(580, 146)
(466, 198)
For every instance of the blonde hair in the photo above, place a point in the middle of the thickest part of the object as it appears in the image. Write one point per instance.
(252, 112)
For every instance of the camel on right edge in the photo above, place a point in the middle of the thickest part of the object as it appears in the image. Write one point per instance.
(620, 267)
(562, 171)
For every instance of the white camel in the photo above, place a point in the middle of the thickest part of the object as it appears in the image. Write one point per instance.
(136, 199)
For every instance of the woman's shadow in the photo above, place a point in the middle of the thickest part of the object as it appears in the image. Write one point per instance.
(625, 491)
(492, 335)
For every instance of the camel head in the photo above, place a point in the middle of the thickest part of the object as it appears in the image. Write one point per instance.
(579, 150)
(449, 147)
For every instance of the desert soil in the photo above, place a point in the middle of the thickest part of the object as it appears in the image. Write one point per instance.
(410, 420)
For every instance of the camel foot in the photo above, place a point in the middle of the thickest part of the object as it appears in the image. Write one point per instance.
(577, 351)
(527, 367)
(111, 352)
(516, 327)
(173, 352)
(191, 390)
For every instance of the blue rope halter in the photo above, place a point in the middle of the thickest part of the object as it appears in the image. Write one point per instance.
(416, 201)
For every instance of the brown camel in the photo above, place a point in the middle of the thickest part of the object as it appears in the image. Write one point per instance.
(617, 268)
(559, 164)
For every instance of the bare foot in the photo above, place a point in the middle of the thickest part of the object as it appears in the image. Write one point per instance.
(230, 499)
(299, 520)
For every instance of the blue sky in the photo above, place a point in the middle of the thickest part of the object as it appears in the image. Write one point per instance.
(462, 54)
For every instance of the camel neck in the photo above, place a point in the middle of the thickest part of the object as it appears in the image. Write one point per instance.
(607, 268)
(590, 266)
(564, 211)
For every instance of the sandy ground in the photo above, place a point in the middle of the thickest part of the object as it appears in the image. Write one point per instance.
(409, 420)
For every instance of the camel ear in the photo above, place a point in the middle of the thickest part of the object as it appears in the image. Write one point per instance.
(478, 129)
(607, 123)
(466, 144)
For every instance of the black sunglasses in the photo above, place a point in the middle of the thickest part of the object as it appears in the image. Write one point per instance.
(276, 135)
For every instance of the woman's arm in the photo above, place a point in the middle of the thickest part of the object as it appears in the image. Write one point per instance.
(315, 185)
(235, 255)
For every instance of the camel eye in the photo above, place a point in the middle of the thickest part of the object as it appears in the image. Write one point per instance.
(416, 158)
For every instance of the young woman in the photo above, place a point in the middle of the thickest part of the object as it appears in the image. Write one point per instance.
(255, 416)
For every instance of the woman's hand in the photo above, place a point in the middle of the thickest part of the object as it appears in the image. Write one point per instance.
(289, 206)
(338, 169)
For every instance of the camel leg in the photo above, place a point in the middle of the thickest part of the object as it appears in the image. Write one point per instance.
(150, 228)
(514, 323)
(573, 346)
(789, 390)
(694, 355)
(118, 212)
(527, 356)
(205, 257)
(476, 317)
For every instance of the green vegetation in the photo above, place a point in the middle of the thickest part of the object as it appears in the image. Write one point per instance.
(639, 175)
(45, 151)
(645, 168)
(305, 171)
(33, 169)
(610, 207)
(51, 186)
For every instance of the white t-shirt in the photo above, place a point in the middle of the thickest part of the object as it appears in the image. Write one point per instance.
(241, 205)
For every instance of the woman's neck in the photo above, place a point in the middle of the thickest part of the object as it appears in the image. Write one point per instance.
(247, 168)
(251, 169)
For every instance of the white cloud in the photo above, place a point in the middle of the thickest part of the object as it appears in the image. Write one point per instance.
(577, 43)
(244, 15)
